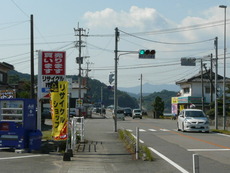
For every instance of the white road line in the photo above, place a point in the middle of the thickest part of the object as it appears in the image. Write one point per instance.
(136, 138)
(129, 130)
(142, 130)
(208, 149)
(164, 130)
(168, 160)
(223, 135)
(20, 157)
(152, 130)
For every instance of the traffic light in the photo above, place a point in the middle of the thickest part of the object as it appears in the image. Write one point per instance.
(147, 54)
(111, 78)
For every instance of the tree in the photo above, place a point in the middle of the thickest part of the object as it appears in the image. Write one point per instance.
(158, 107)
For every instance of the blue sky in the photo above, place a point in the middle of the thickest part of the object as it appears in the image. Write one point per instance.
(167, 22)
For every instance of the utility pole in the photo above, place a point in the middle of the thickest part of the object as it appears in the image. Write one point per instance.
(78, 32)
(32, 56)
(115, 80)
(211, 81)
(141, 93)
(216, 82)
(202, 84)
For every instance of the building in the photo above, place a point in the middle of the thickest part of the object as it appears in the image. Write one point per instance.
(6, 91)
(195, 88)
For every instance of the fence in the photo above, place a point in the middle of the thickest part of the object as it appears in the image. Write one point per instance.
(77, 130)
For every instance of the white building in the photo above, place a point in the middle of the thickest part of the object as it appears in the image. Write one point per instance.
(191, 91)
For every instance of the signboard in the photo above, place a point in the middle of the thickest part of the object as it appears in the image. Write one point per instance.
(7, 94)
(52, 69)
(188, 61)
(59, 102)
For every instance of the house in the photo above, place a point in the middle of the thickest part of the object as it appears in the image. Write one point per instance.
(191, 92)
(6, 91)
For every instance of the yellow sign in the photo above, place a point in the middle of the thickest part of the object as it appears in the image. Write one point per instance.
(59, 103)
(174, 100)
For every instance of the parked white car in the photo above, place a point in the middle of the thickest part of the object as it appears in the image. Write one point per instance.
(192, 120)
(137, 113)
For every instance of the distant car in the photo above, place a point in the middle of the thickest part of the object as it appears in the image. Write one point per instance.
(128, 112)
(192, 120)
(137, 113)
(120, 114)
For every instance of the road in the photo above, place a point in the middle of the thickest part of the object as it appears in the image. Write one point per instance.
(161, 136)
(178, 147)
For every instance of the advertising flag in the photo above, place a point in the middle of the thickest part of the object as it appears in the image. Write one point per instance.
(59, 104)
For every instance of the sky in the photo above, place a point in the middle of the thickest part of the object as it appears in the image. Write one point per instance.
(173, 28)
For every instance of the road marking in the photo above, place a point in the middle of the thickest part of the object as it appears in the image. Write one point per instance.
(208, 149)
(168, 160)
(136, 138)
(164, 130)
(201, 140)
(129, 130)
(223, 135)
(20, 157)
(142, 130)
(152, 130)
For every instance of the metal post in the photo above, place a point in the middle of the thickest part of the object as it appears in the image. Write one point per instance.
(224, 79)
(196, 163)
(141, 94)
(216, 82)
(115, 80)
(137, 143)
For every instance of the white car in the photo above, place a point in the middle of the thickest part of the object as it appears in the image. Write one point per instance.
(192, 120)
(137, 113)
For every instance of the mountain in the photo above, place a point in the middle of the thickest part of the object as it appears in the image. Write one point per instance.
(149, 88)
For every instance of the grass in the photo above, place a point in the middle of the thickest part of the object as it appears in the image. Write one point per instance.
(130, 141)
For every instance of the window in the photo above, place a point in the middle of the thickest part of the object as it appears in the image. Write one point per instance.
(186, 90)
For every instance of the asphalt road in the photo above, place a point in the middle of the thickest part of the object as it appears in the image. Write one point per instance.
(178, 147)
(161, 136)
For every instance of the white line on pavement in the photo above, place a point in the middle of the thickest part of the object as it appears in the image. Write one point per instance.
(136, 138)
(152, 130)
(208, 149)
(20, 157)
(142, 130)
(168, 160)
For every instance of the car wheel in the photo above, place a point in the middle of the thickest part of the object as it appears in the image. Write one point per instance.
(178, 129)
(140, 117)
(183, 128)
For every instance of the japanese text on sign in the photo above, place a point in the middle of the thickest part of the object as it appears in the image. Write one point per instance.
(59, 111)
(53, 63)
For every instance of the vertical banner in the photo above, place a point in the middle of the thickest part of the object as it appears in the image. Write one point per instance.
(59, 102)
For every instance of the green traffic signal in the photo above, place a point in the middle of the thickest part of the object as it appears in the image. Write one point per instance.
(142, 52)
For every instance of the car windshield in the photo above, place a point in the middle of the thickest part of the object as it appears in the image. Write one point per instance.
(137, 111)
(194, 114)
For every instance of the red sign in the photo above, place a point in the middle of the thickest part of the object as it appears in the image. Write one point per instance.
(53, 63)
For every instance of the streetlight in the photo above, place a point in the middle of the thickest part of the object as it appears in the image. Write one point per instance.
(224, 111)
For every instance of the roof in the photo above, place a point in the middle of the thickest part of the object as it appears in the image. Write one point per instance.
(206, 78)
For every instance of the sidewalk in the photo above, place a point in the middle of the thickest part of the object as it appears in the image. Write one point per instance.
(105, 153)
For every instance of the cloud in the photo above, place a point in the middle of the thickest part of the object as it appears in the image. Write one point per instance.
(138, 18)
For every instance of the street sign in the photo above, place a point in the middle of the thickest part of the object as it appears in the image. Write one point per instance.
(188, 61)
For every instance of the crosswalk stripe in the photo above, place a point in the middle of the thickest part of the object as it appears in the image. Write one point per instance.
(142, 130)
(164, 130)
(152, 130)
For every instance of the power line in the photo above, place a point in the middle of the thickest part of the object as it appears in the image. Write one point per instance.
(160, 42)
